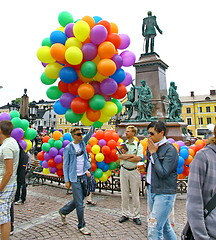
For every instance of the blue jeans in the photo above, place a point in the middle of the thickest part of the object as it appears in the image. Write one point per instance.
(77, 201)
(160, 207)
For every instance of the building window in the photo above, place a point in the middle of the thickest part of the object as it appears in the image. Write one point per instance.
(215, 108)
(200, 120)
(39, 123)
(188, 110)
(45, 123)
(60, 120)
(54, 116)
(207, 109)
(200, 109)
(189, 121)
(209, 121)
(50, 116)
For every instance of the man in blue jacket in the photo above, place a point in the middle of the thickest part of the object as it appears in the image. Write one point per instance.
(76, 171)
(161, 182)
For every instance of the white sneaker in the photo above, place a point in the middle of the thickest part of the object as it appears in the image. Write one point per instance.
(85, 231)
(63, 217)
(18, 202)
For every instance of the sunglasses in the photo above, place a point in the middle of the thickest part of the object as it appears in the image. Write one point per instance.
(78, 134)
(151, 133)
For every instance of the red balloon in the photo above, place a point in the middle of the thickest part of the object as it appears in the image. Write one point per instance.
(73, 87)
(40, 156)
(105, 150)
(112, 144)
(63, 87)
(115, 136)
(51, 163)
(88, 148)
(59, 166)
(105, 23)
(115, 39)
(99, 134)
(107, 136)
(120, 92)
(45, 139)
(107, 159)
(93, 115)
(79, 105)
(59, 172)
(186, 171)
(198, 147)
(93, 166)
(113, 155)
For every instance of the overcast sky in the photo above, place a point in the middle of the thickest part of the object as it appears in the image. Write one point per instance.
(188, 43)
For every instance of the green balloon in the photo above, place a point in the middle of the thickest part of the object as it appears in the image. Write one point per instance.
(72, 117)
(51, 142)
(46, 147)
(64, 18)
(61, 138)
(53, 93)
(88, 69)
(112, 165)
(46, 42)
(46, 80)
(58, 144)
(17, 123)
(30, 133)
(97, 124)
(97, 102)
(98, 173)
(25, 124)
(14, 114)
(118, 104)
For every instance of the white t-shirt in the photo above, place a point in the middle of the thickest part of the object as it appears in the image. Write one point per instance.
(9, 150)
(80, 159)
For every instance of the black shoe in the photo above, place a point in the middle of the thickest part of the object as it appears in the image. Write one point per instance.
(137, 221)
(123, 219)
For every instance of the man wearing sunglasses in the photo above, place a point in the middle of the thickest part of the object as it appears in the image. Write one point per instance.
(161, 182)
(76, 171)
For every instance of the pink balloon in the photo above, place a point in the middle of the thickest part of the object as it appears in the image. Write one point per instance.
(125, 41)
(128, 79)
(98, 34)
(128, 57)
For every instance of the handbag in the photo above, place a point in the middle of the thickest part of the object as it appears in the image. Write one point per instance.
(187, 233)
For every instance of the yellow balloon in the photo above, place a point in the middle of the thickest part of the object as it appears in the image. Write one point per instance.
(120, 140)
(61, 29)
(74, 55)
(46, 171)
(29, 144)
(81, 30)
(95, 149)
(99, 78)
(52, 70)
(96, 60)
(103, 118)
(72, 41)
(85, 121)
(99, 157)
(108, 172)
(136, 138)
(109, 109)
(43, 54)
(104, 177)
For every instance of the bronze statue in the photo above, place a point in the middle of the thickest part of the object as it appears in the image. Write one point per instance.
(148, 30)
(175, 105)
(129, 103)
(143, 104)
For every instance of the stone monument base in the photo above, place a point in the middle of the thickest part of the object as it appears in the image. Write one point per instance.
(174, 129)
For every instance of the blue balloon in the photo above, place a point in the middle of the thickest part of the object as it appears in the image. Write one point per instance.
(100, 164)
(105, 167)
(58, 37)
(180, 170)
(59, 109)
(184, 153)
(183, 147)
(68, 75)
(119, 75)
(180, 161)
(67, 136)
(97, 19)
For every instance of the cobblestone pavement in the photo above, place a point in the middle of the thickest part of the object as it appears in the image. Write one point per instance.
(38, 218)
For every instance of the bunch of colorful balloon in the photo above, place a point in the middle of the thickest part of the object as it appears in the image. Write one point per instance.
(21, 131)
(85, 56)
(52, 152)
(102, 149)
(186, 155)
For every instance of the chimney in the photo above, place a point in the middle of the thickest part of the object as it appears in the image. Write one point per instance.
(192, 93)
(212, 92)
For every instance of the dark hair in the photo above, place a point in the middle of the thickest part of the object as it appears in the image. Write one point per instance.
(159, 126)
(75, 129)
(6, 127)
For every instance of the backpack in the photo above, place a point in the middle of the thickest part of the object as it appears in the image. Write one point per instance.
(23, 160)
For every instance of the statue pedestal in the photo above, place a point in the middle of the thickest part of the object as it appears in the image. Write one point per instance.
(174, 129)
(152, 69)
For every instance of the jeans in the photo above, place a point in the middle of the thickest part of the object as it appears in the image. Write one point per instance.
(77, 201)
(21, 186)
(160, 207)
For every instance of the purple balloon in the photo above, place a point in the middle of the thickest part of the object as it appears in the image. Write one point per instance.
(128, 79)
(125, 41)
(89, 51)
(53, 152)
(108, 86)
(69, 30)
(58, 158)
(128, 57)
(98, 34)
(17, 133)
(66, 99)
(61, 151)
(52, 169)
(47, 156)
(22, 144)
(5, 116)
(44, 64)
(171, 140)
(102, 142)
(117, 59)
(65, 143)
(180, 143)
(45, 164)
(96, 86)
(106, 97)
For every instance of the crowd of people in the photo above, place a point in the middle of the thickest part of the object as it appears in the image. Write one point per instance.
(161, 181)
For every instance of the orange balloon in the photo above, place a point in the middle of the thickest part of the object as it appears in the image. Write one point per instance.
(188, 160)
(99, 134)
(88, 40)
(115, 136)
(181, 176)
(79, 105)
(59, 166)
(40, 156)
(114, 28)
(186, 171)
(84, 79)
(57, 135)
(106, 67)
(73, 87)
(106, 50)
(105, 150)
(120, 92)
(92, 156)
(198, 147)
(57, 51)
(86, 91)
(88, 148)
(205, 141)
(115, 39)
(176, 146)
(45, 139)
(93, 166)
(191, 152)
(89, 20)
(93, 115)
(199, 141)
(106, 24)
(193, 147)
(93, 141)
